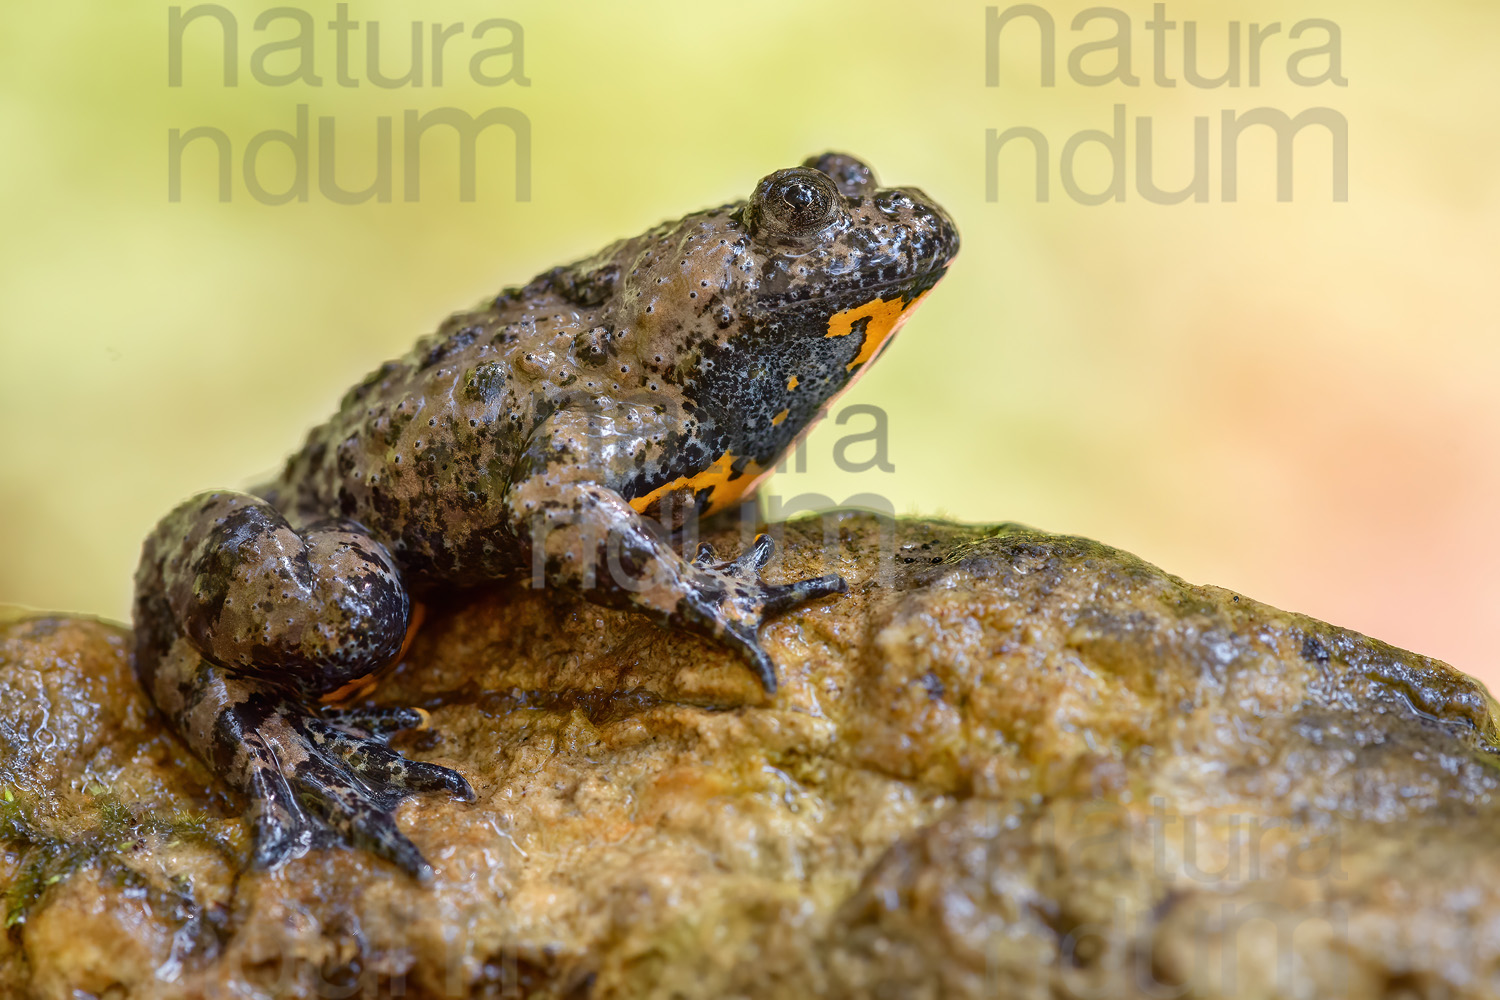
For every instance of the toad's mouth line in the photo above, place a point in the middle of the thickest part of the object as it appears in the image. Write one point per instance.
(911, 285)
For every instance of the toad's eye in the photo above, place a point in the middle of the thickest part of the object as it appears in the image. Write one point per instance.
(796, 205)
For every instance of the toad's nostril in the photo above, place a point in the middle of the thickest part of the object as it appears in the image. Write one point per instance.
(895, 201)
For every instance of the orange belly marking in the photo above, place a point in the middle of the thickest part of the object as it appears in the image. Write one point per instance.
(724, 486)
(885, 316)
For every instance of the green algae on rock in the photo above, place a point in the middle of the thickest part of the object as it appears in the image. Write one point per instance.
(1007, 764)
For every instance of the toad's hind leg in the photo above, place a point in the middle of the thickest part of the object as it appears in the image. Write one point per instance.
(241, 623)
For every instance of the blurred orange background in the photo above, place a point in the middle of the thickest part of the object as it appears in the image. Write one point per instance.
(1296, 400)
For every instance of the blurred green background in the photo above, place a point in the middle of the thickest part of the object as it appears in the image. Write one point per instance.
(1294, 400)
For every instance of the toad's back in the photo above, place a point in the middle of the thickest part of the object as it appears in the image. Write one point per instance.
(423, 451)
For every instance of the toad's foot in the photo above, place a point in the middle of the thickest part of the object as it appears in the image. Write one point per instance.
(588, 537)
(733, 602)
(315, 778)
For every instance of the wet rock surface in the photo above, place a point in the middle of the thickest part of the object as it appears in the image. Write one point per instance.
(1006, 764)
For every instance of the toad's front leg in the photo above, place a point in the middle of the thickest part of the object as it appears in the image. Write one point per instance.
(242, 623)
(587, 537)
